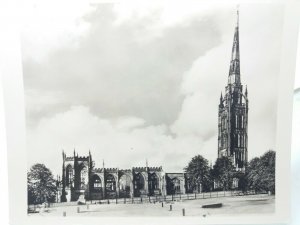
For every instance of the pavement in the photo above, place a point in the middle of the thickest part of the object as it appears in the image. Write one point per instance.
(252, 204)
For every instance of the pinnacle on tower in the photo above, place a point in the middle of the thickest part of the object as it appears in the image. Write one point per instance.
(221, 100)
(234, 71)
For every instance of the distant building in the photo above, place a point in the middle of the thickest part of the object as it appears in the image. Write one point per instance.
(233, 113)
(82, 180)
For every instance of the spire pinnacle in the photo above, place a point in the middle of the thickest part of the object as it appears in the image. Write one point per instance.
(221, 101)
(221, 98)
(237, 15)
(234, 71)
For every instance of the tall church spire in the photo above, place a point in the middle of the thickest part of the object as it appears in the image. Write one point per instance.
(234, 71)
(233, 112)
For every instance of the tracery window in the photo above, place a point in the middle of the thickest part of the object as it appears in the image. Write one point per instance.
(83, 177)
(242, 140)
(110, 183)
(96, 182)
(124, 182)
(176, 185)
(69, 175)
(242, 122)
(153, 182)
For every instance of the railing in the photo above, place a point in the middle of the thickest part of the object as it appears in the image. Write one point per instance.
(158, 199)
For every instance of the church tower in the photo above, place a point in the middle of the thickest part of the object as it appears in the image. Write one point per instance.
(233, 112)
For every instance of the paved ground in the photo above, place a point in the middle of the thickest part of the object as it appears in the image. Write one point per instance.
(236, 205)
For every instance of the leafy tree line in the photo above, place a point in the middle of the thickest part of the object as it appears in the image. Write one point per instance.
(41, 186)
(259, 174)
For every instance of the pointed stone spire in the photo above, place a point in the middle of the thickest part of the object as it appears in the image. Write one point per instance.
(234, 71)
(221, 100)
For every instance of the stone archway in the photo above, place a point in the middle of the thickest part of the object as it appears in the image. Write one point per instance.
(139, 184)
(110, 186)
(83, 177)
(96, 187)
(153, 181)
(96, 183)
(125, 184)
(176, 185)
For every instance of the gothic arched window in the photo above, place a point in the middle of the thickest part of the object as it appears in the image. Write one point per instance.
(69, 175)
(242, 119)
(153, 182)
(83, 177)
(96, 182)
(124, 182)
(176, 185)
(242, 141)
(110, 183)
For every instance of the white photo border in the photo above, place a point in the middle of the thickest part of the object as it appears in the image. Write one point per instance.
(12, 80)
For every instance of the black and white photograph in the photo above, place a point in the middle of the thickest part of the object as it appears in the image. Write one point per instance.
(152, 109)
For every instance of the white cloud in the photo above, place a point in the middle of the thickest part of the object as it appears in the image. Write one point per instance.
(47, 26)
(122, 143)
(127, 100)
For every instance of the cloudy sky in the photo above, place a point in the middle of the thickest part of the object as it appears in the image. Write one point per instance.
(136, 81)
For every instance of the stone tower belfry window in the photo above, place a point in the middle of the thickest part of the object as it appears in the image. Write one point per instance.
(242, 121)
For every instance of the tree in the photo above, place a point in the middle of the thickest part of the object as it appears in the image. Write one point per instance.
(198, 172)
(41, 186)
(223, 172)
(261, 172)
(253, 175)
(243, 183)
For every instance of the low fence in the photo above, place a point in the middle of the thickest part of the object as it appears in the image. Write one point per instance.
(157, 199)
